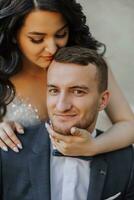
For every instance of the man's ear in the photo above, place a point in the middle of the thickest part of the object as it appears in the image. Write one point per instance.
(104, 99)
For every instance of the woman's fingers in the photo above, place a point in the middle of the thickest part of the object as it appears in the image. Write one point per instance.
(3, 146)
(8, 142)
(80, 132)
(58, 136)
(76, 134)
(18, 128)
(11, 138)
(59, 145)
(81, 142)
(8, 137)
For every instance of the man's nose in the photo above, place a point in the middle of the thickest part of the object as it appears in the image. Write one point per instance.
(63, 104)
(51, 46)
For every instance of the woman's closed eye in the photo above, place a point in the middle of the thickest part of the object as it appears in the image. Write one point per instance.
(39, 41)
(61, 35)
(36, 41)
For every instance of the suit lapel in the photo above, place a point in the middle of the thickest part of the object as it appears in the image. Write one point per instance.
(97, 178)
(39, 165)
(98, 171)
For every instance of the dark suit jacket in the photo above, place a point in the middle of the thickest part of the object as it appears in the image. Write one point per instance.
(26, 175)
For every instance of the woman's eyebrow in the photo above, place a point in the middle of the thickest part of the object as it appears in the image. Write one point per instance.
(66, 25)
(40, 33)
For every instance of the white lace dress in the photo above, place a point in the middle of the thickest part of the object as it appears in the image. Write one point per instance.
(21, 111)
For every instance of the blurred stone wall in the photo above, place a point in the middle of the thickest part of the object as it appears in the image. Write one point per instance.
(112, 22)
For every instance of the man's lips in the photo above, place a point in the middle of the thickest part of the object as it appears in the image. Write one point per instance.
(63, 116)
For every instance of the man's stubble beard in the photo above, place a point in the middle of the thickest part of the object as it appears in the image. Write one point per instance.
(87, 124)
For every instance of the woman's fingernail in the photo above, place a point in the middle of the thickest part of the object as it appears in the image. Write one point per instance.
(19, 146)
(16, 149)
(21, 131)
(46, 125)
(73, 129)
(50, 122)
(5, 148)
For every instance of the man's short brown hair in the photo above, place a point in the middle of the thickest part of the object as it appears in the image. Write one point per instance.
(85, 56)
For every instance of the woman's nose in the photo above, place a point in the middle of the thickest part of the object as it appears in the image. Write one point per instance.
(51, 46)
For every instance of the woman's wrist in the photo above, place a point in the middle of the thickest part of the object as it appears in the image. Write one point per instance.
(92, 148)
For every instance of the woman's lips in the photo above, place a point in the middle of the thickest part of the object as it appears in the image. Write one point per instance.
(47, 58)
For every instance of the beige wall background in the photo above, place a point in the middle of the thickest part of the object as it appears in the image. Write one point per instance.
(112, 22)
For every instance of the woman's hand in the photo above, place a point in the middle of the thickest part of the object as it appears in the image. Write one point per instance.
(8, 137)
(79, 143)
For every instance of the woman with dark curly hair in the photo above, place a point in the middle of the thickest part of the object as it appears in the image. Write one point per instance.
(31, 32)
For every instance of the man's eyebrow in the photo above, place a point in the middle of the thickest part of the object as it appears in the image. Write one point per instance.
(40, 33)
(50, 85)
(83, 87)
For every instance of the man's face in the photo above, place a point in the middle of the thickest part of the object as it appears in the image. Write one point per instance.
(72, 96)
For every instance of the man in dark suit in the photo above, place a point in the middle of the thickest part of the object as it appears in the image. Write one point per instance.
(76, 92)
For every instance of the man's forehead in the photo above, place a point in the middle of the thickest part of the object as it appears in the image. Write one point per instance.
(66, 68)
(71, 75)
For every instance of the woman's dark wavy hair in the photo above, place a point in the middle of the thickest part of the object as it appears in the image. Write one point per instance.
(12, 16)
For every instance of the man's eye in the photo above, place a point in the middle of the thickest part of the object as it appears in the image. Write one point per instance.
(36, 41)
(52, 91)
(79, 92)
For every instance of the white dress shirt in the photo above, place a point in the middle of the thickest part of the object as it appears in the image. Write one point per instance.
(70, 178)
